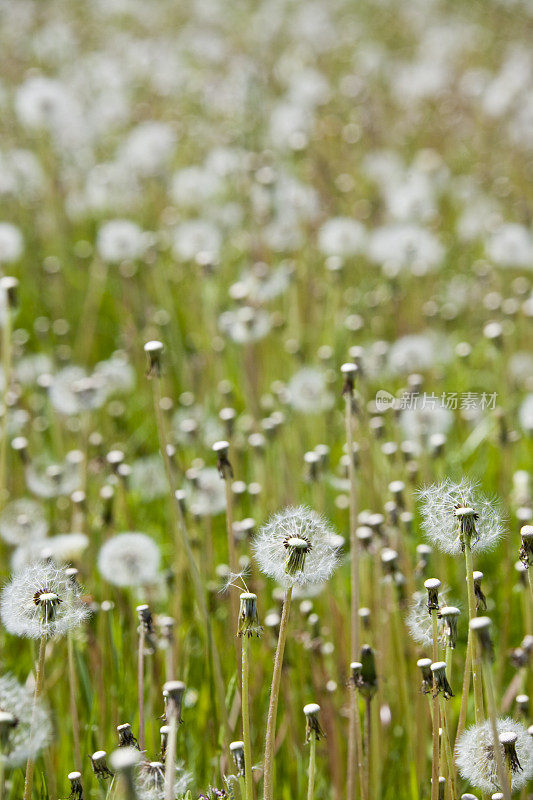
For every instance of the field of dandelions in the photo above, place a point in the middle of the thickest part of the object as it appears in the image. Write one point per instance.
(266, 418)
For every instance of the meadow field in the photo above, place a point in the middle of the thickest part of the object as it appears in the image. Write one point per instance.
(266, 418)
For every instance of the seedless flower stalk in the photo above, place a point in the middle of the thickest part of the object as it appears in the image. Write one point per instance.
(226, 473)
(248, 625)
(349, 371)
(39, 678)
(433, 585)
(154, 351)
(480, 628)
(173, 691)
(313, 733)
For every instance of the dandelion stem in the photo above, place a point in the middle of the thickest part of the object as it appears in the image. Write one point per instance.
(268, 766)
(368, 743)
(140, 685)
(465, 690)
(39, 677)
(435, 758)
(6, 366)
(73, 705)
(492, 713)
(312, 768)
(246, 718)
(474, 647)
(170, 757)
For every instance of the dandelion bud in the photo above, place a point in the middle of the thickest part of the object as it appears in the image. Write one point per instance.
(348, 371)
(481, 600)
(248, 616)
(312, 726)
(424, 664)
(224, 467)
(173, 692)
(237, 751)
(368, 680)
(76, 789)
(154, 350)
(99, 764)
(125, 736)
(432, 585)
(522, 702)
(526, 548)
(481, 627)
(441, 682)
(450, 616)
(508, 740)
(9, 286)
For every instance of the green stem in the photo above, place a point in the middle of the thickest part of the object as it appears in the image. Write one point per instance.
(39, 677)
(476, 663)
(435, 716)
(246, 719)
(312, 768)
(140, 686)
(268, 764)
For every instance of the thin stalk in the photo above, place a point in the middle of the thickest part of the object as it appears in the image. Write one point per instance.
(170, 757)
(312, 768)
(368, 743)
(353, 738)
(6, 366)
(2, 776)
(182, 538)
(530, 580)
(245, 669)
(476, 663)
(232, 554)
(73, 705)
(39, 677)
(140, 685)
(268, 764)
(465, 690)
(448, 747)
(435, 757)
(492, 712)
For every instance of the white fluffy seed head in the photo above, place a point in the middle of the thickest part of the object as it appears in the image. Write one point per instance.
(130, 559)
(271, 547)
(474, 755)
(22, 740)
(41, 601)
(441, 523)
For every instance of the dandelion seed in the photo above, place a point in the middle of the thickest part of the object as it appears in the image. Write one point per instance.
(448, 515)
(296, 547)
(40, 602)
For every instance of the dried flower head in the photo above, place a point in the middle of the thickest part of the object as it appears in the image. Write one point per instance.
(41, 601)
(453, 511)
(130, 559)
(474, 755)
(248, 615)
(296, 547)
(19, 738)
(312, 725)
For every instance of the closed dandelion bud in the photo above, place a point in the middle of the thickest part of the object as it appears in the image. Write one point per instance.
(432, 585)
(369, 678)
(450, 616)
(237, 752)
(312, 725)
(154, 351)
(481, 600)
(526, 548)
(356, 669)
(424, 665)
(76, 789)
(9, 287)
(99, 765)
(438, 668)
(173, 692)
(522, 703)
(164, 730)
(221, 449)
(125, 736)
(480, 626)
(508, 740)
(248, 616)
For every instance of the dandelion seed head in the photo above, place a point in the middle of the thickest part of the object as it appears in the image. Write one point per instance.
(440, 504)
(23, 521)
(40, 601)
(296, 547)
(307, 391)
(150, 781)
(21, 740)
(130, 559)
(62, 549)
(474, 755)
